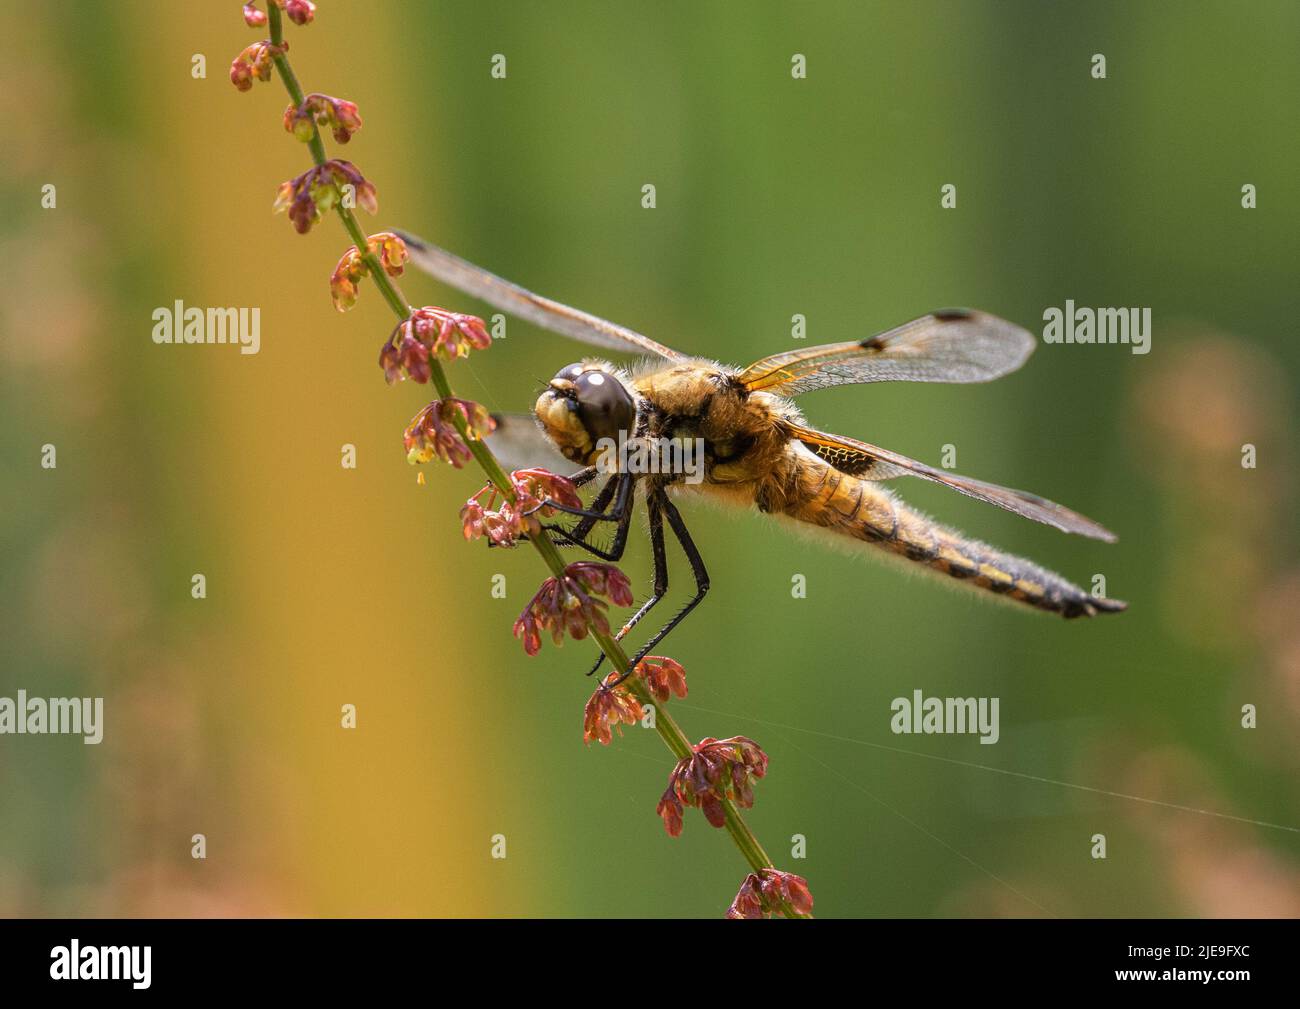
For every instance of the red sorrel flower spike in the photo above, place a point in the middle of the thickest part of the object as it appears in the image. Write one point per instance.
(607, 707)
(403, 356)
(662, 676)
(472, 515)
(670, 810)
(255, 61)
(532, 487)
(322, 110)
(300, 12)
(602, 580)
(613, 702)
(319, 189)
(428, 331)
(391, 253)
(718, 769)
(573, 604)
(501, 528)
(450, 334)
(478, 518)
(432, 431)
(767, 892)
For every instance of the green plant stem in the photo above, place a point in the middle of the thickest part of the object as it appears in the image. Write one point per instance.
(291, 81)
(669, 731)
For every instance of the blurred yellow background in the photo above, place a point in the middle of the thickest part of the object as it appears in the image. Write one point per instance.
(328, 586)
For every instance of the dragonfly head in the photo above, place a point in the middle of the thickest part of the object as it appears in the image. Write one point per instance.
(582, 405)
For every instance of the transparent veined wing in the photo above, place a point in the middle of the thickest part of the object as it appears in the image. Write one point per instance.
(871, 462)
(519, 442)
(509, 297)
(957, 345)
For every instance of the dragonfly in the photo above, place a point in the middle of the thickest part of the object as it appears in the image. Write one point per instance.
(759, 452)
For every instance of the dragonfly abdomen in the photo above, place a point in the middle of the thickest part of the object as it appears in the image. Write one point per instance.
(823, 496)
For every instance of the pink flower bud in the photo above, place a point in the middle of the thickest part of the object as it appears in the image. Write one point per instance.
(717, 770)
(573, 604)
(255, 61)
(322, 110)
(607, 707)
(770, 892)
(300, 12)
(384, 246)
(429, 331)
(321, 188)
(432, 432)
(662, 676)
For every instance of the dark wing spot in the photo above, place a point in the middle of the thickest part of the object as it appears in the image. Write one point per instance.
(873, 343)
(953, 314)
(849, 463)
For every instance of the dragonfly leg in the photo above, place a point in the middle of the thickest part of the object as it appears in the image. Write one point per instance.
(585, 513)
(584, 476)
(656, 518)
(580, 479)
(698, 571)
(597, 511)
(621, 512)
(573, 537)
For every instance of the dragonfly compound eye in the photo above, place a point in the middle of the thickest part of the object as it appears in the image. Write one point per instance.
(567, 374)
(604, 405)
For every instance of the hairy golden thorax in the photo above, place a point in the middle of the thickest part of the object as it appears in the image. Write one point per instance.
(744, 439)
(703, 400)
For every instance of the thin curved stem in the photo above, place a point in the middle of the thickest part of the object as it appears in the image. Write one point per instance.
(669, 731)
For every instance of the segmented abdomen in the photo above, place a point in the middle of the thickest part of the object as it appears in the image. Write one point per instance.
(821, 495)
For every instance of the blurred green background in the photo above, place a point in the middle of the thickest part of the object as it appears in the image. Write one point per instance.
(775, 196)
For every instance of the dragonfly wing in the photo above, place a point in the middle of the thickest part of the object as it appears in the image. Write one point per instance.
(871, 462)
(519, 442)
(958, 345)
(508, 297)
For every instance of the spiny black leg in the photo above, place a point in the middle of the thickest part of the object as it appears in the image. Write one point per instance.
(574, 537)
(656, 517)
(584, 476)
(655, 514)
(579, 479)
(698, 570)
(620, 512)
(560, 537)
(585, 513)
